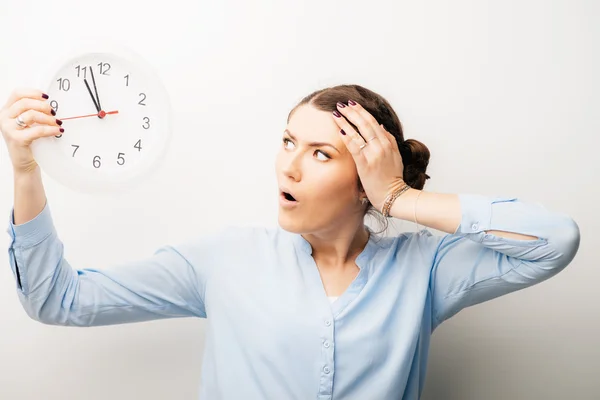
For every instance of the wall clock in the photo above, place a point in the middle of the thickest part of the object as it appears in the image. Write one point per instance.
(116, 117)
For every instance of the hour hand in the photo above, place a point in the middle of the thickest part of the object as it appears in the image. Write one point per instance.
(92, 95)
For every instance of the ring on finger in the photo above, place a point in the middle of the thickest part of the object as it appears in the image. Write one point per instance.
(373, 138)
(362, 146)
(20, 122)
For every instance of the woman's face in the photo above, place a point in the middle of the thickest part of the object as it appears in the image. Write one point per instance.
(314, 166)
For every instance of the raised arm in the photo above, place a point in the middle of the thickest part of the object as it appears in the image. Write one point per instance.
(494, 246)
(162, 285)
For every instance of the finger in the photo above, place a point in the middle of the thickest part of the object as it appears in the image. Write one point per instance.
(351, 139)
(24, 104)
(364, 121)
(22, 93)
(391, 138)
(353, 146)
(373, 149)
(31, 117)
(352, 133)
(40, 131)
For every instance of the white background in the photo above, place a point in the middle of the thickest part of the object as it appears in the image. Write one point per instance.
(504, 93)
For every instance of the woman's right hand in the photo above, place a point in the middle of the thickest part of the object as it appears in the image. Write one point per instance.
(35, 111)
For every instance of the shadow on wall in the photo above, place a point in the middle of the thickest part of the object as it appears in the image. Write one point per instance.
(471, 360)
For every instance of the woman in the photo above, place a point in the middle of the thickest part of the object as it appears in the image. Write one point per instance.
(322, 307)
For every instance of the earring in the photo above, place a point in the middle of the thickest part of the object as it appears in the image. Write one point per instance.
(364, 200)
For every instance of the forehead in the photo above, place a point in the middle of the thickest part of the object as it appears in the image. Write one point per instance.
(309, 124)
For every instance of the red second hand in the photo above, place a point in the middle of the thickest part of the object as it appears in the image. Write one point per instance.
(101, 114)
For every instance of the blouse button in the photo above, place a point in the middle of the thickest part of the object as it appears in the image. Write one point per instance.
(328, 322)
(326, 370)
(474, 227)
(326, 344)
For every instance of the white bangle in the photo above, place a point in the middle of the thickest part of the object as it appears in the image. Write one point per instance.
(416, 201)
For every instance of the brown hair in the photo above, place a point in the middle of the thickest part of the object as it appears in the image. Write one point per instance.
(415, 155)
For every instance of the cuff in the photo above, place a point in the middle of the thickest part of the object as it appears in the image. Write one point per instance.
(476, 211)
(33, 231)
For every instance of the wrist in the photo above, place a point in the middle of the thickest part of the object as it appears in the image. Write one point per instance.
(394, 188)
(26, 175)
(29, 195)
(404, 206)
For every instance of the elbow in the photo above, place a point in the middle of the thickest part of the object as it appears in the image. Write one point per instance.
(48, 313)
(572, 239)
(38, 312)
(566, 242)
(555, 255)
(43, 310)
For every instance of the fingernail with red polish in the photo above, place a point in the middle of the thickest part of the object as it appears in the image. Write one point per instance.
(62, 130)
(337, 114)
(45, 96)
(59, 122)
(53, 112)
(340, 104)
(342, 132)
(352, 103)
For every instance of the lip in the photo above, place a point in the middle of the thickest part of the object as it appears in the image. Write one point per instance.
(285, 202)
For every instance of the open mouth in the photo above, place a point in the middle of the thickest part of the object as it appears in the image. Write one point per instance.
(288, 196)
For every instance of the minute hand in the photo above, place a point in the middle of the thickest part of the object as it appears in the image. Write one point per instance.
(92, 95)
(95, 89)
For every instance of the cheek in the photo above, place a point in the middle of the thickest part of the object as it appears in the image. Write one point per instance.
(337, 185)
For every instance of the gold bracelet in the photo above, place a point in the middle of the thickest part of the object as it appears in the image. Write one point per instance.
(387, 205)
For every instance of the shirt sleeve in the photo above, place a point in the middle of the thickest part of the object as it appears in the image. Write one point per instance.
(162, 285)
(471, 265)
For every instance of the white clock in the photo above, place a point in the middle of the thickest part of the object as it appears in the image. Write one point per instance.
(116, 117)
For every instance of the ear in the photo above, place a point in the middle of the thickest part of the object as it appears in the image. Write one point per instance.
(362, 195)
(361, 189)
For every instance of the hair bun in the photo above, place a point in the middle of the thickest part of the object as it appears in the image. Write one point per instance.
(415, 157)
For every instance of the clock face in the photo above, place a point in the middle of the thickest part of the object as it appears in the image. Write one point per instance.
(116, 120)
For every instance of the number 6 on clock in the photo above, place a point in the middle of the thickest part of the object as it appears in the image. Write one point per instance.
(110, 100)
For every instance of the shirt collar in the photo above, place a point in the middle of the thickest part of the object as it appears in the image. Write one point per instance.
(371, 247)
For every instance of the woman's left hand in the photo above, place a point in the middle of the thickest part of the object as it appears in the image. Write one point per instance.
(375, 152)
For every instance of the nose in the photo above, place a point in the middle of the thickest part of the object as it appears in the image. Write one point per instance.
(291, 167)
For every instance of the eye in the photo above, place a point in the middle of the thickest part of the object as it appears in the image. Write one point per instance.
(324, 154)
(286, 141)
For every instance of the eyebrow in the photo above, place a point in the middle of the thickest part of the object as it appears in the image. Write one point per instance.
(313, 144)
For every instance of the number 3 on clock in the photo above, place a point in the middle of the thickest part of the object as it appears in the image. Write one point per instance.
(108, 98)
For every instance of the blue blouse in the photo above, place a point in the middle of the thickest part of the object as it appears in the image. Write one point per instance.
(272, 333)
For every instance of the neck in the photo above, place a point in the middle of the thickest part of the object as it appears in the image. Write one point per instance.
(335, 248)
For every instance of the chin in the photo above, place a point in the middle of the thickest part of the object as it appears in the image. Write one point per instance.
(301, 224)
(293, 225)
(297, 222)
